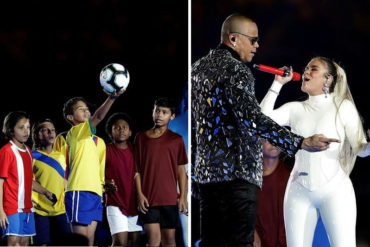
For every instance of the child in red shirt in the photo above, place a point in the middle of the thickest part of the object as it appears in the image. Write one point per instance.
(119, 172)
(160, 157)
(16, 182)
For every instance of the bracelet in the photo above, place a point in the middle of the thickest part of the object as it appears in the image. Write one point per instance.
(272, 90)
(111, 96)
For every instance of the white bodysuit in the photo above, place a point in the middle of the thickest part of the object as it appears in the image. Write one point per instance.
(317, 182)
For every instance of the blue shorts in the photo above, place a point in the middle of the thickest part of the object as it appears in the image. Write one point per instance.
(51, 228)
(83, 207)
(20, 224)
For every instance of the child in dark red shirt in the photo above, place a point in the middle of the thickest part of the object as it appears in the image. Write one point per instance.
(160, 157)
(119, 172)
(270, 230)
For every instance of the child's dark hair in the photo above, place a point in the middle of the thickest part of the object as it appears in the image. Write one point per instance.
(68, 106)
(35, 130)
(166, 102)
(113, 119)
(11, 121)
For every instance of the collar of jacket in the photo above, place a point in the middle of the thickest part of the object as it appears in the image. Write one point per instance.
(235, 55)
(222, 46)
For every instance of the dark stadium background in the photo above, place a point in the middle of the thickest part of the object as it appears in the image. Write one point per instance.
(51, 51)
(292, 32)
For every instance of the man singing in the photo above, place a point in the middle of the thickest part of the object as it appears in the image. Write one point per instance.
(228, 127)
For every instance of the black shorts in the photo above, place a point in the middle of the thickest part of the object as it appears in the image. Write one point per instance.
(166, 216)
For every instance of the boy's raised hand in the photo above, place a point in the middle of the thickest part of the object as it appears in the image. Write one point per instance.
(115, 93)
(100, 113)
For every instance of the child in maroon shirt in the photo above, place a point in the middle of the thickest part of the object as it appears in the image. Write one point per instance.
(270, 230)
(160, 158)
(119, 172)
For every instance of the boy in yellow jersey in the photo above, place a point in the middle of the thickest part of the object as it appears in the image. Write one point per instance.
(49, 170)
(85, 154)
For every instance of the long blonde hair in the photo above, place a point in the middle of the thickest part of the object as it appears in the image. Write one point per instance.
(340, 90)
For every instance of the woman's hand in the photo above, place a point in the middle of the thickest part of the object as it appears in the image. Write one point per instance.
(285, 79)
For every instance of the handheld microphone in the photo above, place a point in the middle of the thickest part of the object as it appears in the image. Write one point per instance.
(281, 72)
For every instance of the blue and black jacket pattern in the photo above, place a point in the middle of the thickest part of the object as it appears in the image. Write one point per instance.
(227, 122)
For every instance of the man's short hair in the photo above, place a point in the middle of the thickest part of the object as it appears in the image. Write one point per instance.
(227, 25)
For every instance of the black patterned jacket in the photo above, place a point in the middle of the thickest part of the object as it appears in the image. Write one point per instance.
(227, 122)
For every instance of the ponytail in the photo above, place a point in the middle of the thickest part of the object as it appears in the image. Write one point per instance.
(341, 92)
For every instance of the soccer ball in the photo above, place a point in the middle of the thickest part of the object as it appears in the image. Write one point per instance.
(114, 77)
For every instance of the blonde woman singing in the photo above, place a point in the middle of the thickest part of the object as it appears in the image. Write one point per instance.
(319, 182)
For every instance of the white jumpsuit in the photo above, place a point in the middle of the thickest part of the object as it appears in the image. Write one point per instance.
(317, 183)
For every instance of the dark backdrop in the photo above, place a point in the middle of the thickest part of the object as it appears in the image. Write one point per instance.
(51, 51)
(292, 32)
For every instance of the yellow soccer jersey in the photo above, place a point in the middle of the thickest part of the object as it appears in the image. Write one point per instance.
(86, 159)
(60, 144)
(49, 171)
